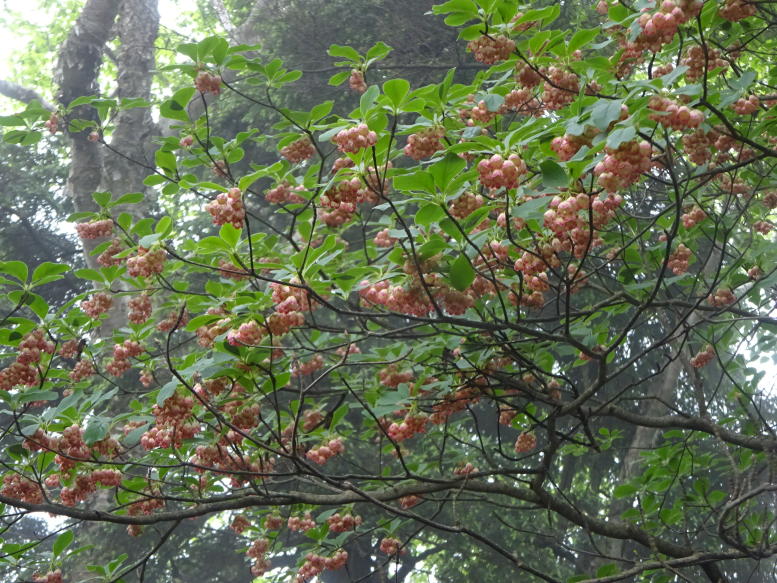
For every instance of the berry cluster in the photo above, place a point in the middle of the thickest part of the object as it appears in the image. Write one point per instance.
(228, 207)
(258, 551)
(391, 546)
(297, 524)
(571, 228)
(678, 261)
(23, 370)
(207, 83)
(560, 89)
(411, 301)
(54, 576)
(465, 470)
(456, 302)
(344, 523)
(83, 369)
(172, 424)
(95, 229)
(147, 262)
(20, 488)
(108, 257)
(693, 216)
(476, 112)
(746, 106)
(356, 81)
(721, 298)
(345, 195)
(355, 138)
(521, 101)
(525, 76)
(52, 124)
(697, 146)
(121, 355)
(496, 172)
(491, 49)
(566, 146)
(139, 309)
(69, 349)
(173, 321)
(322, 453)
(526, 442)
(407, 428)
(660, 27)
(311, 419)
(695, 60)
(100, 303)
(736, 10)
(465, 205)
(315, 564)
(674, 115)
(306, 368)
(280, 324)
(248, 334)
(623, 165)
(704, 357)
(425, 143)
(763, 227)
(383, 239)
(390, 377)
(229, 270)
(86, 485)
(146, 378)
(284, 193)
(299, 150)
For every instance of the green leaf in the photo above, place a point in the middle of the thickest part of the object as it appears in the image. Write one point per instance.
(230, 234)
(446, 170)
(164, 226)
(102, 198)
(339, 78)
(47, 270)
(368, 99)
(15, 269)
(63, 541)
(429, 214)
(532, 209)
(321, 110)
(581, 38)
(396, 90)
(606, 111)
(175, 107)
(344, 52)
(166, 161)
(418, 181)
(619, 135)
(96, 429)
(553, 175)
(378, 51)
(90, 274)
(624, 491)
(607, 570)
(462, 275)
(131, 198)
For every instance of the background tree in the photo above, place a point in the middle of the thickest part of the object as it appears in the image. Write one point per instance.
(512, 314)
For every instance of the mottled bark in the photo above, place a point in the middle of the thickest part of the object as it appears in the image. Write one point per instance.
(76, 74)
(118, 169)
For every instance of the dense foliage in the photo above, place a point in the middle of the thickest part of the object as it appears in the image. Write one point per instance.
(501, 327)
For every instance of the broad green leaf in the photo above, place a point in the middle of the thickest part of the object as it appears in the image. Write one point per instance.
(62, 542)
(462, 274)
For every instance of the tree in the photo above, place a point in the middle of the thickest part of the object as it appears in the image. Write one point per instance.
(519, 314)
